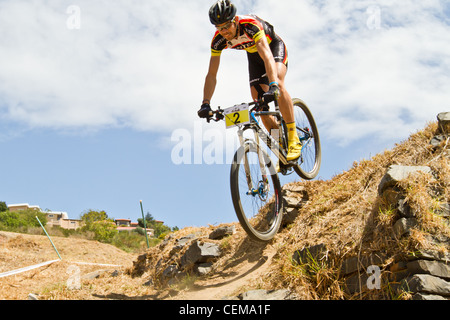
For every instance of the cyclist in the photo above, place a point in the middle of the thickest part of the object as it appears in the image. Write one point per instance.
(267, 60)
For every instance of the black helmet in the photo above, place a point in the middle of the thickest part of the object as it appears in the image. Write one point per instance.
(221, 12)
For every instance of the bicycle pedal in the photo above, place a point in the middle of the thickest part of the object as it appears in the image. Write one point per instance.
(289, 164)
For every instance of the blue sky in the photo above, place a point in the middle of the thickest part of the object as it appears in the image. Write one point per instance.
(94, 93)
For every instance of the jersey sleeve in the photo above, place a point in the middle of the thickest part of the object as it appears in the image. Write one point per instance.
(253, 28)
(216, 53)
(218, 44)
(259, 35)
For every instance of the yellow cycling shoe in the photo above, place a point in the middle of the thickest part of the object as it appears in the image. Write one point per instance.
(295, 151)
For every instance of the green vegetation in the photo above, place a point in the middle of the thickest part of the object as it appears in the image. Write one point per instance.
(96, 226)
(19, 221)
(104, 229)
(133, 241)
(3, 206)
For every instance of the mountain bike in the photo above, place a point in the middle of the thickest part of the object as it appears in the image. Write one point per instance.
(255, 185)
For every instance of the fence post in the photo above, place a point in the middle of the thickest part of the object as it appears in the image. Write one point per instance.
(145, 225)
(49, 238)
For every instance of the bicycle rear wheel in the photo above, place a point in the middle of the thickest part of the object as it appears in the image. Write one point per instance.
(256, 197)
(309, 163)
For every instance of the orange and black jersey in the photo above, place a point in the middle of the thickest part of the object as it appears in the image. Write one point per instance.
(250, 29)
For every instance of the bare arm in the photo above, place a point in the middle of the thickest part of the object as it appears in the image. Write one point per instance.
(211, 79)
(266, 54)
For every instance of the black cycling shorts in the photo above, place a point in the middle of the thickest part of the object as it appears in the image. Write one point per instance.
(256, 67)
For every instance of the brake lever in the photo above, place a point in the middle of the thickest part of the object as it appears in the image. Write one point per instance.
(261, 105)
(219, 114)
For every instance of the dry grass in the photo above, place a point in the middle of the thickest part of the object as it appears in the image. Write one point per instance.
(22, 250)
(345, 214)
(350, 218)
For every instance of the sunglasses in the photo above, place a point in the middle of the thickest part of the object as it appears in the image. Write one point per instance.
(225, 27)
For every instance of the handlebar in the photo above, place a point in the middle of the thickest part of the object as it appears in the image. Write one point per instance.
(259, 105)
(218, 113)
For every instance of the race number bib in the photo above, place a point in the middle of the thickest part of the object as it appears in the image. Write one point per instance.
(237, 115)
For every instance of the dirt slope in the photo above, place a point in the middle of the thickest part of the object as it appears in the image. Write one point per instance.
(345, 214)
(21, 250)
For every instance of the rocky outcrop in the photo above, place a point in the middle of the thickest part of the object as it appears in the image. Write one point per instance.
(443, 134)
(294, 198)
(194, 253)
(444, 123)
(222, 232)
(425, 275)
(418, 274)
(397, 173)
(199, 252)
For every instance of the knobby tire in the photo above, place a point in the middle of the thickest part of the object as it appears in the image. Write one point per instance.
(250, 208)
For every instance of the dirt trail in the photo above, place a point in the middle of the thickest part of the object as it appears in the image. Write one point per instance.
(230, 281)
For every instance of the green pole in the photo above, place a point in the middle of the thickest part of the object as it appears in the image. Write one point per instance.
(49, 238)
(145, 225)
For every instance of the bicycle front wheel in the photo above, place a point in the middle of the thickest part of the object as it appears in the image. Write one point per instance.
(308, 165)
(256, 192)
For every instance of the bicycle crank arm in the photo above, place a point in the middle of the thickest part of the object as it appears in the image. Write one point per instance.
(282, 156)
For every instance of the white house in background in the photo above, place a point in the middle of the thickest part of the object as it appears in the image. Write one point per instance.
(22, 206)
(54, 218)
(61, 219)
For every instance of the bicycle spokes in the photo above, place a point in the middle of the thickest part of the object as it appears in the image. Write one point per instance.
(255, 194)
(309, 164)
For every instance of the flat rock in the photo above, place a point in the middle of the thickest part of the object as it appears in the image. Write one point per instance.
(200, 252)
(222, 232)
(425, 283)
(434, 268)
(204, 268)
(421, 296)
(444, 122)
(397, 173)
(404, 225)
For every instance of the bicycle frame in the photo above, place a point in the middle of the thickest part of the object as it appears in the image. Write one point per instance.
(269, 139)
(254, 180)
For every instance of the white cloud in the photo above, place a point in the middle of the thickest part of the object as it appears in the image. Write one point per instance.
(126, 65)
(364, 67)
(363, 80)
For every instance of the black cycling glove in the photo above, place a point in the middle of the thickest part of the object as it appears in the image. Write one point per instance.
(205, 111)
(272, 94)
